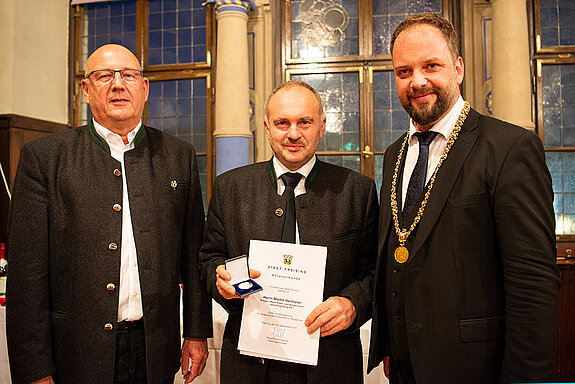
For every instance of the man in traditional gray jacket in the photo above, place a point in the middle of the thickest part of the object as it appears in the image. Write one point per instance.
(334, 207)
(105, 224)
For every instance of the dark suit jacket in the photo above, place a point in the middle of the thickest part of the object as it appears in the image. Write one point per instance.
(339, 210)
(478, 294)
(61, 227)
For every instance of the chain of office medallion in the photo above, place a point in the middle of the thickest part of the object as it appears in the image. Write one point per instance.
(404, 234)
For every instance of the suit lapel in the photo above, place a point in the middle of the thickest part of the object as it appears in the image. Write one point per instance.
(446, 179)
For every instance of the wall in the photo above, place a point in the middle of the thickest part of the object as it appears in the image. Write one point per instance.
(34, 59)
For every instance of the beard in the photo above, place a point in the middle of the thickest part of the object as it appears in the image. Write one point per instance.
(427, 112)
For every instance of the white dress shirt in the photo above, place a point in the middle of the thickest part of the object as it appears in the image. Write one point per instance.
(300, 187)
(130, 294)
(444, 127)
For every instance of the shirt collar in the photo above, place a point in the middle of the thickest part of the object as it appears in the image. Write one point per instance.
(110, 136)
(304, 170)
(443, 126)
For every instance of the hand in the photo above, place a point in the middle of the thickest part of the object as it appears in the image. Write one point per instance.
(224, 287)
(333, 315)
(197, 350)
(46, 380)
(386, 366)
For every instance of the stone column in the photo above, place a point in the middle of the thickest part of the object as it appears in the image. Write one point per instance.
(511, 82)
(232, 133)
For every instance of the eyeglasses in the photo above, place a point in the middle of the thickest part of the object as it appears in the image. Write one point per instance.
(107, 75)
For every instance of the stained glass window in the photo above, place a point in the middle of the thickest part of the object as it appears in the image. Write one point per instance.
(387, 14)
(340, 96)
(324, 28)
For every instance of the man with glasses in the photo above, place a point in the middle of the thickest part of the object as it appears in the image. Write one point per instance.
(106, 222)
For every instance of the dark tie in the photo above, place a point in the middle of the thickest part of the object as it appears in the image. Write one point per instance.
(417, 180)
(290, 180)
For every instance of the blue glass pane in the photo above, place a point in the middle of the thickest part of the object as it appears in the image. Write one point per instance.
(558, 105)
(379, 176)
(324, 28)
(340, 97)
(351, 162)
(203, 170)
(549, 17)
(107, 23)
(390, 119)
(177, 32)
(557, 23)
(172, 109)
(562, 168)
(387, 14)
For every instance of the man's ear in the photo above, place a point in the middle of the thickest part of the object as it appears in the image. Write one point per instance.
(85, 92)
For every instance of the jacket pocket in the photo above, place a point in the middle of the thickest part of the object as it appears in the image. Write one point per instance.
(466, 200)
(59, 314)
(482, 329)
(346, 235)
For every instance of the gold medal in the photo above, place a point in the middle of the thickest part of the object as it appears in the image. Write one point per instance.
(401, 254)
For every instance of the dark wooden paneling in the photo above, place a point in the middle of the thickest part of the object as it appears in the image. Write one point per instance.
(15, 131)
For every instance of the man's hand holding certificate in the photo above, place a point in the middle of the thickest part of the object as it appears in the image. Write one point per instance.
(274, 320)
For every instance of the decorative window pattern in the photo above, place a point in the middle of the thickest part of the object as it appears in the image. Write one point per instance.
(324, 28)
(340, 96)
(387, 14)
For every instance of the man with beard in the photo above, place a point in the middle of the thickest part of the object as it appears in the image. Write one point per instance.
(466, 281)
(334, 207)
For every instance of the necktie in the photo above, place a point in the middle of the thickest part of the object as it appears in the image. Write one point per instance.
(290, 180)
(417, 180)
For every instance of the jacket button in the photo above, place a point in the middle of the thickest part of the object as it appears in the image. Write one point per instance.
(396, 316)
(117, 207)
(117, 172)
(395, 293)
(110, 286)
(108, 327)
(396, 270)
(279, 212)
(262, 361)
(113, 246)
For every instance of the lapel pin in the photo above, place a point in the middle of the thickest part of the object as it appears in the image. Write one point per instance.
(174, 184)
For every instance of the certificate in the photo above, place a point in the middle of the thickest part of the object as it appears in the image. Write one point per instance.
(273, 319)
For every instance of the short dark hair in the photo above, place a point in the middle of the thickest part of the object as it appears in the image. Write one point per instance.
(290, 84)
(434, 20)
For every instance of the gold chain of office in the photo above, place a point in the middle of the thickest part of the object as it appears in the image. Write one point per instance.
(401, 253)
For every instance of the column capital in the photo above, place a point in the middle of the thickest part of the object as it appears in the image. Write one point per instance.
(242, 6)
